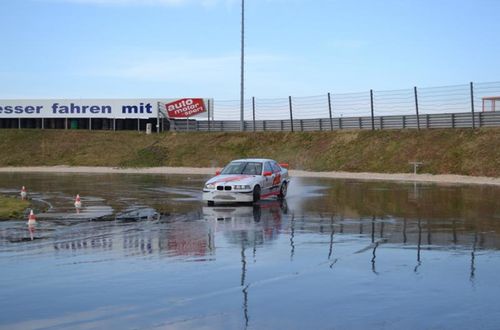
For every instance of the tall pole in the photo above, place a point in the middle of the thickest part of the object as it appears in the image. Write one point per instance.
(242, 96)
(416, 107)
(253, 112)
(371, 107)
(472, 105)
(330, 111)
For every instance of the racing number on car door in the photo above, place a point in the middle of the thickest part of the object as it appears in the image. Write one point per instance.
(277, 179)
(277, 173)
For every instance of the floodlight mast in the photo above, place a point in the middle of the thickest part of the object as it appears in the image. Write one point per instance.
(242, 92)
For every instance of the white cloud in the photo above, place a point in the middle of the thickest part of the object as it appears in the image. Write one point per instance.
(185, 74)
(169, 68)
(181, 68)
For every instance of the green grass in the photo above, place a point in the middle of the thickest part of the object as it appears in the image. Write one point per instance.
(443, 151)
(12, 208)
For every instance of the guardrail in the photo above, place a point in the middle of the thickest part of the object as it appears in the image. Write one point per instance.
(425, 121)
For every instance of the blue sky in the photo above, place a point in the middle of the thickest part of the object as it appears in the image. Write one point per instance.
(177, 48)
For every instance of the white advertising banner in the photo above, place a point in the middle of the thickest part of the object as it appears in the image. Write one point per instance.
(82, 108)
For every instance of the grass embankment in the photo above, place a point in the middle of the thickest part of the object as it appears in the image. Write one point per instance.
(12, 207)
(449, 151)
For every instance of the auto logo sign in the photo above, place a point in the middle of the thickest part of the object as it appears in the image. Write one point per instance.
(184, 108)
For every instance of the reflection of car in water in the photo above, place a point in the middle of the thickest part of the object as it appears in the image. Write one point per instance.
(247, 180)
(263, 210)
(257, 223)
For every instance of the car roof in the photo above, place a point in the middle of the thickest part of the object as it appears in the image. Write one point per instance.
(260, 160)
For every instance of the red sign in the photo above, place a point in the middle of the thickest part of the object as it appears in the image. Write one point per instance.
(184, 108)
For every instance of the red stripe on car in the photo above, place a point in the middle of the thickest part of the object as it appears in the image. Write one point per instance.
(233, 178)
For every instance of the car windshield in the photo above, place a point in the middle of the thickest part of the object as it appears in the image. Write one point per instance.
(250, 168)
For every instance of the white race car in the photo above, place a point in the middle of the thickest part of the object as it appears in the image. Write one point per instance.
(247, 180)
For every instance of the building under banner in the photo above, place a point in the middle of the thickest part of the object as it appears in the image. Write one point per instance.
(102, 114)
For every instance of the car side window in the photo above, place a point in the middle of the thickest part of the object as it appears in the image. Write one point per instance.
(267, 167)
(276, 167)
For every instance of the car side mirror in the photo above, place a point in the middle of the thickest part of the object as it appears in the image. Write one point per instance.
(268, 173)
(217, 172)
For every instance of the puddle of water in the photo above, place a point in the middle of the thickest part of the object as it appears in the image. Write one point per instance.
(137, 213)
(335, 254)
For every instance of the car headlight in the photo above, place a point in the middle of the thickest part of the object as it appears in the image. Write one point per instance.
(209, 186)
(242, 187)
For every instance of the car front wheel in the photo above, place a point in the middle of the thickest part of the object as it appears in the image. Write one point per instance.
(256, 194)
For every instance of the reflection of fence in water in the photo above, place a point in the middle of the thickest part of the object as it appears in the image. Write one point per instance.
(102, 243)
(142, 243)
(407, 231)
(177, 242)
(197, 238)
(421, 235)
(86, 236)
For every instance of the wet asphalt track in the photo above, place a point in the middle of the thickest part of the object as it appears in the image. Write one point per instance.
(145, 253)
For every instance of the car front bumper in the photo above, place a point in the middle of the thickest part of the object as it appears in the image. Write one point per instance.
(219, 196)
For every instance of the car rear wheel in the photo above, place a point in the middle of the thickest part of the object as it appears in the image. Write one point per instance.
(283, 190)
(256, 194)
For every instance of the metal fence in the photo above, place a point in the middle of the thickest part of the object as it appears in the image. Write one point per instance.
(437, 107)
(468, 105)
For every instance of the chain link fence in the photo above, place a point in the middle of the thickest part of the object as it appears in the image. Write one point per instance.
(468, 105)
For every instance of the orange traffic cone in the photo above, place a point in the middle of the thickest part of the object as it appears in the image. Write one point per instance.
(32, 219)
(24, 193)
(78, 202)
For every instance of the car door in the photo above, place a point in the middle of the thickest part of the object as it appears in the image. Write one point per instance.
(268, 180)
(276, 177)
